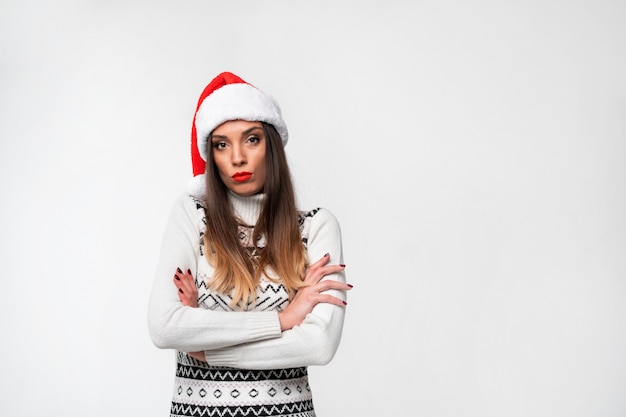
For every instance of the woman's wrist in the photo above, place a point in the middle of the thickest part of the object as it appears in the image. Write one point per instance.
(284, 321)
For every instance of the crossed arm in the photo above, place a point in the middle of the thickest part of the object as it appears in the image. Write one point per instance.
(300, 306)
(308, 332)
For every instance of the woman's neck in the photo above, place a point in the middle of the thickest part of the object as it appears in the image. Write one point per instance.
(247, 208)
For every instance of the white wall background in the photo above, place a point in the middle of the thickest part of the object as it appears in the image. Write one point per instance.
(474, 152)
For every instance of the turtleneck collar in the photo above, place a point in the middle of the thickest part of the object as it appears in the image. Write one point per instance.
(247, 208)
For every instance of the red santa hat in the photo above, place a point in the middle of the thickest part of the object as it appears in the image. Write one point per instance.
(228, 97)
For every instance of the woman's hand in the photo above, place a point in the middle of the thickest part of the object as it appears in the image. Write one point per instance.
(187, 290)
(309, 296)
(188, 294)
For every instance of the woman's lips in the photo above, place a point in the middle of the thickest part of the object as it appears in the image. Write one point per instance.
(242, 176)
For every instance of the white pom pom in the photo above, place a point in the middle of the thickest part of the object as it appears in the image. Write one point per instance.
(197, 186)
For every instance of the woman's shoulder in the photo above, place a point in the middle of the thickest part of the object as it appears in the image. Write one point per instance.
(318, 213)
(188, 205)
(316, 219)
(188, 200)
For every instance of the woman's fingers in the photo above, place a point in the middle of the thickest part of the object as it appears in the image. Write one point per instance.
(307, 298)
(322, 261)
(329, 299)
(330, 285)
(314, 294)
(320, 269)
(187, 290)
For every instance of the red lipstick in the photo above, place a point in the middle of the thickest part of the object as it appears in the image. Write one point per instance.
(242, 176)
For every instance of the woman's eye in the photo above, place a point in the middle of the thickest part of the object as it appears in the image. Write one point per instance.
(219, 145)
(253, 139)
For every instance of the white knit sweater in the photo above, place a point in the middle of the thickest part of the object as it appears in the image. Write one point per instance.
(248, 339)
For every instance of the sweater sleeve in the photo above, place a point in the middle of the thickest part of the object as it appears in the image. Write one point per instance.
(316, 339)
(174, 326)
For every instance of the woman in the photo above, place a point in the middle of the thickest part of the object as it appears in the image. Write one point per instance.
(248, 290)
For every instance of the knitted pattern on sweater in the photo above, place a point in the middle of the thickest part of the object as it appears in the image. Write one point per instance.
(204, 390)
(252, 368)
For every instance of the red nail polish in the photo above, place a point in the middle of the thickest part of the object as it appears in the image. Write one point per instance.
(179, 271)
(342, 265)
(350, 285)
(344, 303)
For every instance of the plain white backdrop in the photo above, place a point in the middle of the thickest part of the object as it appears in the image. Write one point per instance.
(473, 151)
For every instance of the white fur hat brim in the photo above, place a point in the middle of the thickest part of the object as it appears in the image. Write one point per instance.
(237, 102)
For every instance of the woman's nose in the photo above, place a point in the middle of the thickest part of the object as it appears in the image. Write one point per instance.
(238, 157)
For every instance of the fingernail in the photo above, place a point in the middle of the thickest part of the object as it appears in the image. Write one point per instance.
(350, 285)
(180, 290)
(178, 269)
(326, 255)
(344, 303)
(189, 271)
(342, 265)
(176, 277)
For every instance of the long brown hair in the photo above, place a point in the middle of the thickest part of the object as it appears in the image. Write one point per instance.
(236, 272)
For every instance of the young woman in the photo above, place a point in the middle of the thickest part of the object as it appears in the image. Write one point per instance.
(249, 291)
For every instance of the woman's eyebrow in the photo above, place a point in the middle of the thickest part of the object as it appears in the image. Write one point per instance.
(248, 131)
(244, 133)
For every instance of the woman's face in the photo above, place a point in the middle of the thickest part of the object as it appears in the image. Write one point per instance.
(238, 149)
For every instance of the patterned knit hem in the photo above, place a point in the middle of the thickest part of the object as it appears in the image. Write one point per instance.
(294, 409)
(201, 390)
